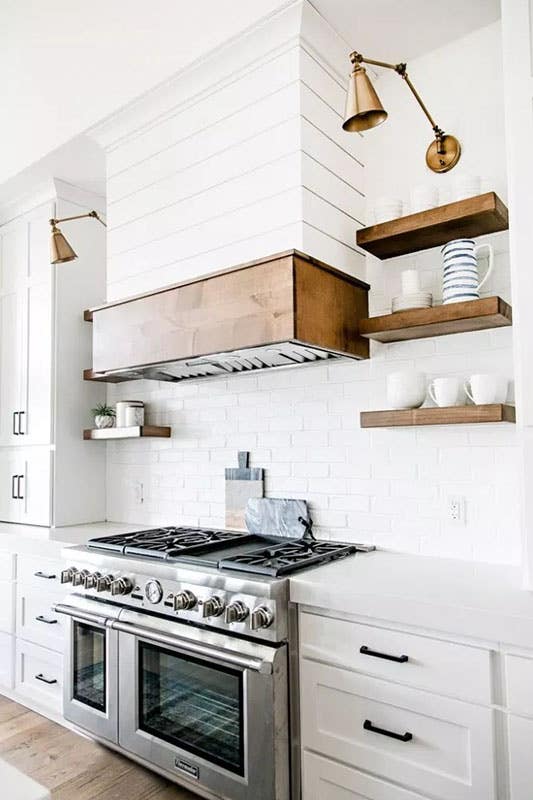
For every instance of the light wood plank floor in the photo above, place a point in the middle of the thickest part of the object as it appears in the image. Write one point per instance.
(72, 767)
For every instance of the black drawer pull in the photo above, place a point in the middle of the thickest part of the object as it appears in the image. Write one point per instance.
(47, 575)
(40, 618)
(401, 737)
(49, 681)
(366, 651)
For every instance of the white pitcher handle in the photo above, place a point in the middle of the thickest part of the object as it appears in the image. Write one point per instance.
(467, 390)
(431, 392)
(491, 260)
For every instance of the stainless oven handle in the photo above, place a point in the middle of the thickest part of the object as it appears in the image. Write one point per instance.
(86, 616)
(247, 662)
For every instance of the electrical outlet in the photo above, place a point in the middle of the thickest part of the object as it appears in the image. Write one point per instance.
(456, 510)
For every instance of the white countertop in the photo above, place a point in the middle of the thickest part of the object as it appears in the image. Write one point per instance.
(483, 601)
(49, 542)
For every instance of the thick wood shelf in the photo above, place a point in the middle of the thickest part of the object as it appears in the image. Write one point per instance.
(474, 216)
(420, 323)
(452, 415)
(135, 432)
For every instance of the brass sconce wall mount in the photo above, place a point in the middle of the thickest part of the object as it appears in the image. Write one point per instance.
(364, 111)
(60, 249)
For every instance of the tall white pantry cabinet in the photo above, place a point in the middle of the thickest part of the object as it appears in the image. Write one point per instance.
(48, 474)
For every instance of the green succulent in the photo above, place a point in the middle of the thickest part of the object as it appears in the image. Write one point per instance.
(103, 410)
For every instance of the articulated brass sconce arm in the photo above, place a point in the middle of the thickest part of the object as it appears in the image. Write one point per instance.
(441, 155)
(79, 216)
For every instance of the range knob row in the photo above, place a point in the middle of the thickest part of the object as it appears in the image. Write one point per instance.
(95, 580)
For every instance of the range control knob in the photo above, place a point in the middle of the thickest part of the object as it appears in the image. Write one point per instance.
(79, 577)
(213, 607)
(103, 584)
(91, 580)
(261, 617)
(121, 586)
(153, 591)
(184, 601)
(236, 612)
(67, 575)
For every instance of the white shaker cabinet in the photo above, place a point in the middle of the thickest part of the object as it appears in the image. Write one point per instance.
(44, 347)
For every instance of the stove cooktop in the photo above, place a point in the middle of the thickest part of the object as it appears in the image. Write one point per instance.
(227, 550)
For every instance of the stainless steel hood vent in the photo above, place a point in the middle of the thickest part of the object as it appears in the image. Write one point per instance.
(284, 310)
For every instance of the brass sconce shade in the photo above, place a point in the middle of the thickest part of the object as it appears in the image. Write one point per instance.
(60, 249)
(363, 106)
(364, 111)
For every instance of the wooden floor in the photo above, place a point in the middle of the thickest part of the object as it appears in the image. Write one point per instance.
(72, 767)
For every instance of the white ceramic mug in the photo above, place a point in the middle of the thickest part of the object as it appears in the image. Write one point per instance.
(410, 281)
(486, 388)
(422, 198)
(386, 208)
(446, 392)
(406, 389)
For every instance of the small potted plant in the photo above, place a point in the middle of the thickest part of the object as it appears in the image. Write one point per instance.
(104, 416)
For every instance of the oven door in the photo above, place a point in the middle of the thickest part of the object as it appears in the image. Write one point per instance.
(90, 667)
(208, 708)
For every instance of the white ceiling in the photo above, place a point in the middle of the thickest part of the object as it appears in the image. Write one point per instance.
(398, 30)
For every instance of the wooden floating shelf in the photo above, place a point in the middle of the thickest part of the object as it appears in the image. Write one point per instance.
(420, 323)
(135, 432)
(452, 415)
(474, 216)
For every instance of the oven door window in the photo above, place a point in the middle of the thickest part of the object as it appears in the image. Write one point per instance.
(89, 665)
(192, 704)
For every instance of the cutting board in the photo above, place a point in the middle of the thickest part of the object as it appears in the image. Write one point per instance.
(278, 517)
(242, 483)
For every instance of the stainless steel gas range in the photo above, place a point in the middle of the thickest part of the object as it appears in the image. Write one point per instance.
(181, 654)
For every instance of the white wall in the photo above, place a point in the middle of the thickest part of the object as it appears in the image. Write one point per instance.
(198, 180)
(66, 64)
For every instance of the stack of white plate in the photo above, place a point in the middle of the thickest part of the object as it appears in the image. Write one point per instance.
(403, 302)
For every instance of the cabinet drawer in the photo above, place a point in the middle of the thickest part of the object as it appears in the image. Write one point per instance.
(521, 764)
(448, 746)
(39, 675)
(7, 606)
(441, 667)
(326, 780)
(7, 660)
(7, 565)
(42, 573)
(36, 622)
(519, 678)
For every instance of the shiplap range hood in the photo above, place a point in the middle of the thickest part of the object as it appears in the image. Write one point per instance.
(283, 310)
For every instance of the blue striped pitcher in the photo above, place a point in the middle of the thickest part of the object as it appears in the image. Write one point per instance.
(460, 278)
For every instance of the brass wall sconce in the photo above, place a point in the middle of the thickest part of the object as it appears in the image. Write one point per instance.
(60, 249)
(364, 111)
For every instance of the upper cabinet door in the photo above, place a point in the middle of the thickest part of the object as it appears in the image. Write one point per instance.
(11, 366)
(14, 256)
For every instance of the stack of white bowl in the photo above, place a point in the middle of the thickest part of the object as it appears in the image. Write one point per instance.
(412, 296)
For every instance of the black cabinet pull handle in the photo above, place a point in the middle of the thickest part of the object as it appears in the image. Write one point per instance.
(366, 651)
(19, 495)
(13, 480)
(20, 431)
(401, 737)
(49, 681)
(15, 431)
(48, 575)
(40, 618)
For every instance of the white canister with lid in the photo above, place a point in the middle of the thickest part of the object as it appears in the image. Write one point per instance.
(129, 413)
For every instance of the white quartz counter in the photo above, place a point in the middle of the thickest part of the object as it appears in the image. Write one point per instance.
(48, 542)
(482, 601)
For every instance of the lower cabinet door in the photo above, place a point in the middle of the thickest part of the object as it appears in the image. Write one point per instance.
(39, 675)
(429, 744)
(34, 487)
(7, 606)
(520, 754)
(325, 780)
(7, 660)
